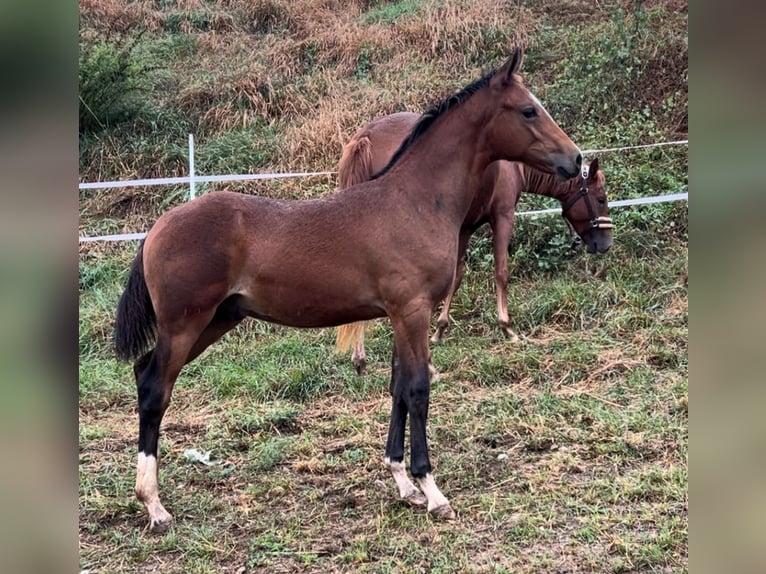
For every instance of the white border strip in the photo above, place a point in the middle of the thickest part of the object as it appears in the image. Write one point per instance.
(619, 203)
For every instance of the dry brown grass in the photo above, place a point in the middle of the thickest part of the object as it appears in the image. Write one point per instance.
(458, 33)
(317, 138)
(315, 67)
(109, 16)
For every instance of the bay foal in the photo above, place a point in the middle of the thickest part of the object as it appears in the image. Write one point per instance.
(387, 247)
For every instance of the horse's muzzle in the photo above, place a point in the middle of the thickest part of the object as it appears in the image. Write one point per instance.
(566, 167)
(598, 245)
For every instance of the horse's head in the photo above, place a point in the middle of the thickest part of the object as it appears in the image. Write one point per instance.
(586, 210)
(522, 130)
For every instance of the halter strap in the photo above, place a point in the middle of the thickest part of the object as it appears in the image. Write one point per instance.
(595, 221)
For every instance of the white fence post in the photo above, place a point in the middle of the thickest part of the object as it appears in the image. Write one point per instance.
(191, 167)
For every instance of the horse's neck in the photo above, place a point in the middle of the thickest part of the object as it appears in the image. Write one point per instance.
(546, 184)
(447, 161)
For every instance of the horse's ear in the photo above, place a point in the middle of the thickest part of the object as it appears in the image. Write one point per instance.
(512, 66)
(593, 168)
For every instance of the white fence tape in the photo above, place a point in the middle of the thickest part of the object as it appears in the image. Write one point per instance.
(606, 149)
(623, 202)
(619, 203)
(117, 237)
(198, 179)
(193, 179)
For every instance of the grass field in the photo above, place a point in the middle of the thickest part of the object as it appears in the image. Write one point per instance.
(566, 452)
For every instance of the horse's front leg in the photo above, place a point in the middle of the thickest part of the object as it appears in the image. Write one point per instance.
(395, 444)
(411, 385)
(420, 464)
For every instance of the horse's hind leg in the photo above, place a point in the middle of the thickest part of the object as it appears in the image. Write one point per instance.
(227, 316)
(156, 373)
(150, 411)
(502, 228)
(443, 321)
(359, 357)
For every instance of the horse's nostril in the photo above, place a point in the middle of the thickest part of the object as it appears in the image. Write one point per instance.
(579, 160)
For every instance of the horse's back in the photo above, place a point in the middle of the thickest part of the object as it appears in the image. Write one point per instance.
(386, 134)
(206, 222)
(394, 126)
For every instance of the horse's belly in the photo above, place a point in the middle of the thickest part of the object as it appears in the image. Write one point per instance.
(309, 305)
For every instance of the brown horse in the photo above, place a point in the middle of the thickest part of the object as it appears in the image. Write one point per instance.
(372, 147)
(387, 247)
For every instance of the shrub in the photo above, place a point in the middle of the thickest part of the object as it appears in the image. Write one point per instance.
(110, 86)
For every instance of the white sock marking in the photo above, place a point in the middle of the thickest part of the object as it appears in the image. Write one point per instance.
(432, 492)
(403, 482)
(147, 489)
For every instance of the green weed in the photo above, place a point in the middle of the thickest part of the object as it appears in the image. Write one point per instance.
(389, 12)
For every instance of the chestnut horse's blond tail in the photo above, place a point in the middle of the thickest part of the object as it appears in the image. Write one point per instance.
(355, 164)
(346, 336)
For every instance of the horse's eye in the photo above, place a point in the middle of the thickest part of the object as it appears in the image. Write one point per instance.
(529, 112)
(601, 200)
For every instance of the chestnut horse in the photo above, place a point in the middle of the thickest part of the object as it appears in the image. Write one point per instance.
(387, 247)
(372, 147)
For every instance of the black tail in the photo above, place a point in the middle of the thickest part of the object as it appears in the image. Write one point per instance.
(135, 325)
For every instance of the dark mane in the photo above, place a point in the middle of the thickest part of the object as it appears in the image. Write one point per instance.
(434, 113)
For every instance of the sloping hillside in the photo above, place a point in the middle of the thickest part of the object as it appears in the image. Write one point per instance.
(281, 85)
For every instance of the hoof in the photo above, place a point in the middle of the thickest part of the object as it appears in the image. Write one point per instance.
(415, 498)
(160, 521)
(160, 525)
(510, 335)
(360, 366)
(438, 335)
(443, 512)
